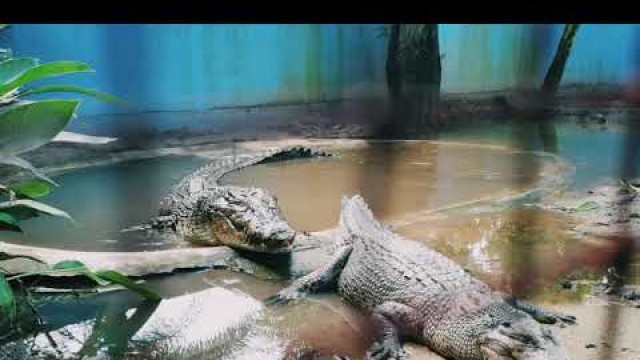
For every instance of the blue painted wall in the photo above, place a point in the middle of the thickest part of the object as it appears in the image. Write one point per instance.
(490, 57)
(185, 67)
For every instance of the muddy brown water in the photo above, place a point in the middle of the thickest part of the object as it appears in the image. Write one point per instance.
(423, 177)
(105, 199)
(420, 176)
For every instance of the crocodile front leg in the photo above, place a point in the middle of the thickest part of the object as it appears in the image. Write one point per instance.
(320, 279)
(541, 315)
(391, 322)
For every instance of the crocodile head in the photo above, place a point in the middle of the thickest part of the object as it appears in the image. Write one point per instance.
(245, 218)
(521, 339)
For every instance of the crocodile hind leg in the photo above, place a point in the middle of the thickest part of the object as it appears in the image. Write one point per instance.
(391, 322)
(320, 279)
(541, 315)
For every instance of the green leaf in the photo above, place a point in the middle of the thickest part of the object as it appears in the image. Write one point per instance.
(24, 127)
(11, 68)
(5, 256)
(35, 205)
(9, 222)
(587, 206)
(69, 265)
(32, 189)
(8, 219)
(77, 268)
(76, 89)
(24, 164)
(120, 279)
(45, 71)
(7, 299)
(21, 213)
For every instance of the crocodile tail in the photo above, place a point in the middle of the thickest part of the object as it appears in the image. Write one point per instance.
(357, 218)
(208, 175)
(293, 152)
(158, 223)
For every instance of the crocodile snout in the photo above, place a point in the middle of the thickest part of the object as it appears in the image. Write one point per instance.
(280, 239)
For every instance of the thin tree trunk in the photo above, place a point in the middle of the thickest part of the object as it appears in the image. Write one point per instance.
(429, 70)
(556, 69)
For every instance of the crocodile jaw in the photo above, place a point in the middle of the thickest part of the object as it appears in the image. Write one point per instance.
(247, 219)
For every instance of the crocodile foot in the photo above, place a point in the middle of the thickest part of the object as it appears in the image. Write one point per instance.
(553, 317)
(285, 296)
(386, 350)
(541, 315)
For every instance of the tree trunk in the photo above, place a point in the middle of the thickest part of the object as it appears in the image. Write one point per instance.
(429, 69)
(556, 69)
(428, 75)
(393, 68)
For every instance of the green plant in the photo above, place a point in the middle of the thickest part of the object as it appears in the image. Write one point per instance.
(24, 126)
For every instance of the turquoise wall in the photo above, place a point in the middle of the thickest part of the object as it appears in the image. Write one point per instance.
(185, 67)
(492, 57)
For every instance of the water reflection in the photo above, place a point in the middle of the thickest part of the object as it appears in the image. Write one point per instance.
(215, 323)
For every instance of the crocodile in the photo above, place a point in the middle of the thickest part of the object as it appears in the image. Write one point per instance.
(204, 212)
(415, 293)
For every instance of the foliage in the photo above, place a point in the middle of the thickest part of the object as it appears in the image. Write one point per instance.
(26, 125)
(74, 268)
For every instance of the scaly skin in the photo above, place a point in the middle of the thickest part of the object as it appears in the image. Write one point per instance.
(207, 213)
(414, 292)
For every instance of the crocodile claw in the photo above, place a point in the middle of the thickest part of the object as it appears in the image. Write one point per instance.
(565, 318)
(282, 298)
(552, 317)
(387, 350)
(276, 300)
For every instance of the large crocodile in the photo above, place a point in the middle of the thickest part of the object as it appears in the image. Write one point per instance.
(201, 211)
(415, 292)
(205, 212)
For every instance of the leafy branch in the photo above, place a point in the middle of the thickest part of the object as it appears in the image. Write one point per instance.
(26, 125)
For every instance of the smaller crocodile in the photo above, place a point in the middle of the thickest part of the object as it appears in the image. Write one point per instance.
(414, 292)
(204, 212)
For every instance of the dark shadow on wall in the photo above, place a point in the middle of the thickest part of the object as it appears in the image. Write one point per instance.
(126, 49)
